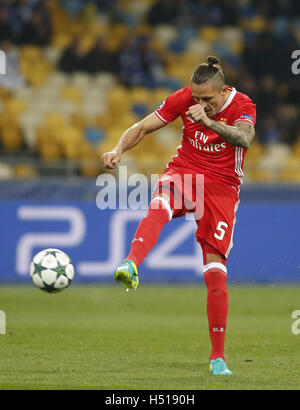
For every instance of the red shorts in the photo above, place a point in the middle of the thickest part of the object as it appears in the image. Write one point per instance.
(214, 205)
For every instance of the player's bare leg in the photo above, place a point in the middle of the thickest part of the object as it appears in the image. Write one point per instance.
(215, 275)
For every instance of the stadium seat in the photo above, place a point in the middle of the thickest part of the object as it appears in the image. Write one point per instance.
(50, 151)
(90, 109)
(159, 95)
(57, 79)
(6, 171)
(81, 80)
(70, 150)
(29, 122)
(256, 151)
(275, 156)
(67, 108)
(102, 121)
(72, 93)
(231, 34)
(25, 171)
(199, 48)
(118, 100)
(209, 34)
(181, 72)
(48, 92)
(4, 94)
(7, 120)
(261, 175)
(257, 24)
(16, 106)
(67, 135)
(296, 150)
(52, 55)
(79, 120)
(167, 139)
(31, 53)
(36, 73)
(127, 120)
(290, 176)
(89, 161)
(165, 33)
(105, 146)
(11, 139)
(149, 147)
(291, 169)
(26, 93)
(149, 163)
(105, 80)
(140, 95)
(114, 133)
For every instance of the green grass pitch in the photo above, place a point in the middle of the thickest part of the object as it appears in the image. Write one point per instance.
(101, 337)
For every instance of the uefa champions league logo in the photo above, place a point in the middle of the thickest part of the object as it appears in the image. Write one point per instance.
(2, 63)
(296, 63)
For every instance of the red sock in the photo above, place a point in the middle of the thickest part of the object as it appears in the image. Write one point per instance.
(149, 229)
(217, 307)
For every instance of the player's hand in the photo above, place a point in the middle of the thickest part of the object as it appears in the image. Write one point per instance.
(198, 114)
(111, 159)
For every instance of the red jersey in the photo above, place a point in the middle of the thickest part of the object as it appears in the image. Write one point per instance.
(202, 149)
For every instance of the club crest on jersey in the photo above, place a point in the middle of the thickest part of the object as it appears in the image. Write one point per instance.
(223, 120)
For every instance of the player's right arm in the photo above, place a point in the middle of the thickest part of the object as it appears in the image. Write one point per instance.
(130, 138)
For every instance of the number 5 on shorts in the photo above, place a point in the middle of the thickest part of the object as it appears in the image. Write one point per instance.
(221, 230)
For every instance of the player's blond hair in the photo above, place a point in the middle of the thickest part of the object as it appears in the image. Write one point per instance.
(210, 71)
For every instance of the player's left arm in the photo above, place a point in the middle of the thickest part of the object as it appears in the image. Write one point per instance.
(239, 135)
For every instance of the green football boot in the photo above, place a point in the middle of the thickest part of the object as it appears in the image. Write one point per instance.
(218, 367)
(127, 274)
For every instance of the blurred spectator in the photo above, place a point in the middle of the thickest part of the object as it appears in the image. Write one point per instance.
(163, 12)
(105, 6)
(211, 12)
(37, 31)
(21, 14)
(100, 59)
(74, 6)
(277, 8)
(267, 95)
(73, 58)
(247, 84)
(229, 12)
(6, 29)
(269, 133)
(266, 54)
(140, 65)
(288, 123)
(261, 53)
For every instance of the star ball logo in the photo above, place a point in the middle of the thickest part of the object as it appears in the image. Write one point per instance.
(296, 63)
(2, 63)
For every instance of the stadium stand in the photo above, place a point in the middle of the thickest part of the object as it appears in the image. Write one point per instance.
(80, 72)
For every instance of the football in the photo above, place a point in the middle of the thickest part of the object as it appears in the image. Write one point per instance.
(51, 270)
